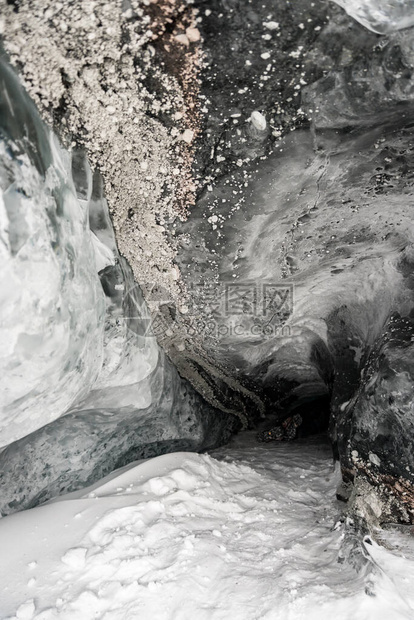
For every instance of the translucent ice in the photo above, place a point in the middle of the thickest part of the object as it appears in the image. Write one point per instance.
(52, 304)
(381, 16)
(84, 386)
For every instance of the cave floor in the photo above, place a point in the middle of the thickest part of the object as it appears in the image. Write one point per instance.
(249, 531)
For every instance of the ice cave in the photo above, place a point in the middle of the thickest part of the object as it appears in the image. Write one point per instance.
(207, 309)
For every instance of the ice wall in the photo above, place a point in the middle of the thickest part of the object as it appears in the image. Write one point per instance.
(84, 386)
(52, 304)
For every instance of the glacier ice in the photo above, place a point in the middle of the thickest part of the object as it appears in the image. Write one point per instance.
(52, 316)
(84, 386)
(381, 16)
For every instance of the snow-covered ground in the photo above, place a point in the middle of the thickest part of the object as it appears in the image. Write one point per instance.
(250, 531)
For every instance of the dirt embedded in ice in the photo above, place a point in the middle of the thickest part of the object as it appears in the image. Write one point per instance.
(91, 71)
(85, 386)
(248, 531)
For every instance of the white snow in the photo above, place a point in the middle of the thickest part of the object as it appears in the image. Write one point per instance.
(251, 531)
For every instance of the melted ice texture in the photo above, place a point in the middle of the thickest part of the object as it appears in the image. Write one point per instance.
(380, 16)
(249, 531)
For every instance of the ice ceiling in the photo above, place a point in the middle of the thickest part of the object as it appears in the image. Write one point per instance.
(295, 262)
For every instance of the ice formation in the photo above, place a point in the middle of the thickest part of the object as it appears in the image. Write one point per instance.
(52, 319)
(85, 387)
(381, 16)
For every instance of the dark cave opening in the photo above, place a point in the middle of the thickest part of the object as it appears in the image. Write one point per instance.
(303, 418)
(315, 414)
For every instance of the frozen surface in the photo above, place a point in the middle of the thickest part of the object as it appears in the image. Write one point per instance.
(380, 16)
(250, 531)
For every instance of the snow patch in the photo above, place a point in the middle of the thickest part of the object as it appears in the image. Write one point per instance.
(249, 531)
